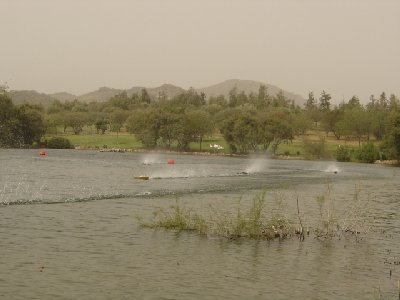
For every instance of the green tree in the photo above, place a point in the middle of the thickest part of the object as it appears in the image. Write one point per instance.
(59, 143)
(145, 124)
(144, 96)
(218, 100)
(262, 99)
(279, 100)
(122, 101)
(55, 107)
(225, 121)
(356, 123)
(189, 98)
(76, 120)
(383, 101)
(274, 127)
(391, 143)
(245, 132)
(233, 99)
(21, 125)
(394, 103)
(8, 121)
(325, 102)
(311, 108)
(354, 102)
(367, 153)
(117, 120)
(53, 121)
(332, 117)
(200, 124)
(31, 126)
(101, 125)
(302, 123)
(169, 121)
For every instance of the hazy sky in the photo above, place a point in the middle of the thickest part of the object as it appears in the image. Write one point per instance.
(344, 47)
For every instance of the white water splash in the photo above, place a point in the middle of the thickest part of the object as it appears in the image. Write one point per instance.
(257, 165)
(22, 191)
(172, 172)
(332, 168)
(151, 159)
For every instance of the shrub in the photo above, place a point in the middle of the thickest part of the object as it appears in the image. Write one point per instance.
(315, 149)
(59, 143)
(367, 153)
(343, 153)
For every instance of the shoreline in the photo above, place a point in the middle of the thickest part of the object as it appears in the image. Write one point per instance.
(393, 163)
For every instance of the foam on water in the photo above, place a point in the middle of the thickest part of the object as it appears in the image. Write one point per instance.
(257, 165)
(332, 168)
(150, 159)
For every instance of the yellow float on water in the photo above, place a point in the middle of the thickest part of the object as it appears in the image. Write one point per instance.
(142, 177)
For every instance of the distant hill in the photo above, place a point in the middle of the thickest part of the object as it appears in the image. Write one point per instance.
(168, 89)
(247, 86)
(31, 97)
(101, 95)
(64, 96)
(105, 93)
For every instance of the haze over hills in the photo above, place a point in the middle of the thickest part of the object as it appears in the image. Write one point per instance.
(248, 86)
(32, 97)
(170, 91)
(105, 93)
(63, 96)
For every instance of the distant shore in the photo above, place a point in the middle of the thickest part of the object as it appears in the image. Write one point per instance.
(208, 153)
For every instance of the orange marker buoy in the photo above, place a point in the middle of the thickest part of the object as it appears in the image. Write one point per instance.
(42, 153)
(170, 161)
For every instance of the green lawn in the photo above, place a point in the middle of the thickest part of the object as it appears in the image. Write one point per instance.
(91, 140)
(102, 140)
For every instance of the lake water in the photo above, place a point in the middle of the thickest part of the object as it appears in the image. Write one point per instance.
(68, 228)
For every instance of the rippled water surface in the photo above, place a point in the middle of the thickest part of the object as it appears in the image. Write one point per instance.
(69, 231)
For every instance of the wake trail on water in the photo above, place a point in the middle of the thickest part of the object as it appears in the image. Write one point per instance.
(140, 195)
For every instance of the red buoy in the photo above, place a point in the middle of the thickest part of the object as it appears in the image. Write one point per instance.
(42, 153)
(170, 161)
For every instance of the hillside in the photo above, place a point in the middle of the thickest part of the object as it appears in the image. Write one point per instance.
(31, 97)
(105, 93)
(101, 95)
(64, 96)
(247, 86)
(168, 89)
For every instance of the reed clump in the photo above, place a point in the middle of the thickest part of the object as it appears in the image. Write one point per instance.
(177, 218)
(250, 223)
(354, 220)
(255, 222)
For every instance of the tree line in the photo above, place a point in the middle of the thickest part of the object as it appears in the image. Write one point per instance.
(251, 122)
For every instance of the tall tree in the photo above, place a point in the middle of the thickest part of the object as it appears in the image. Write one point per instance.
(117, 120)
(21, 125)
(200, 124)
(144, 96)
(311, 108)
(392, 136)
(325, 102)
(76, 120)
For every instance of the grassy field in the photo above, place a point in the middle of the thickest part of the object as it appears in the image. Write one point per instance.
(89, 139)
(126, 141)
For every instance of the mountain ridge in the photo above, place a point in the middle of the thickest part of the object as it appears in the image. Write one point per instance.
(249, 86)
(103, 94)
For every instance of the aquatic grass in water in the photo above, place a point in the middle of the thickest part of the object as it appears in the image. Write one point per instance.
(329, 225)
(251, 223)
(176, 218)
(255, 223)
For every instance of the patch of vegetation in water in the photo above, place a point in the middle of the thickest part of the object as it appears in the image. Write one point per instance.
(257, 223)
(252, 223)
